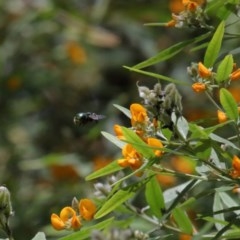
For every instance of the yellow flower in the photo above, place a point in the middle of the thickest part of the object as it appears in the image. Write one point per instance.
(199, 87)
(153, 142)
(203, 71)
(131, 158)
(235, 173)
(234, 76)
(68, 219)
(222, 117)
(138, 113)
(87, 209)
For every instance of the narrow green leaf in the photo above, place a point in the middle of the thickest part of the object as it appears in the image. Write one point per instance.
(123, 110)
(163, 55)
(110, 168)
(214, 46)
(85, 232)
(140, 146)
(116, 200)
(119, 197)
(169, 52)
(229, 104)
(224, 68)
(158, 76)
(115, 140)
(154, 197)
(217, 206)
(182, 220)
(229, 202)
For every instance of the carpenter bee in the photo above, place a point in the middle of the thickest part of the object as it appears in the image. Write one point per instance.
(87, 117)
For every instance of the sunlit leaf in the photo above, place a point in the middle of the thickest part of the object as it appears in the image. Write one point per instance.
(110, 168)
(229, 104)
(115, 140)
(224, 69)
(214, 46)
(123, 110)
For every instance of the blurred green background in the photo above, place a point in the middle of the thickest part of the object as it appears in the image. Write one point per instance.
(59, 58)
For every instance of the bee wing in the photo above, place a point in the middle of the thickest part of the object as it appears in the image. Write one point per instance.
(96, 117)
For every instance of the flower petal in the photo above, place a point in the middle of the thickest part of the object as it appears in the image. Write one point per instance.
(87, 209)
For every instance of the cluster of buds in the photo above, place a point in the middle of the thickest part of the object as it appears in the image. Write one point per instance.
(118, 234)
(192, 16)
(5, 210)
(103, 189)
(161, 102)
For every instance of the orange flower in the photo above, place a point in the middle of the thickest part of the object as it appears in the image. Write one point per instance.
(118, 131)
(153, 142)
(87, 209)
(68, 219)
(166, 180)
(190, 5)
(139, 114)
(235, 173)
(76, 53)
(222, 117)
(131, 158)
(183, 164)
(199, 87)
(234, 76)
(203, 71)
(185, 237)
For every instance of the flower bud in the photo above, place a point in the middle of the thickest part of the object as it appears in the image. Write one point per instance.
(5, 202)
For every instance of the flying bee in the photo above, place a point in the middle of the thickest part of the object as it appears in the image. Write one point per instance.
(87, 117)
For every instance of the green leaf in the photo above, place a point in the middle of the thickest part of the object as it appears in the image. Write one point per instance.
(229, 202)
(182, 127)
(221, 8)
(169, 52)
(163, 55)
(140, 146)
(229, 104)
(182, 220)
(85, 232)
(110, 168)
(115, 140)
(39, 236)
(123, 110)
(119, 197)
(224, 69)
(158, 76)
(217, 206)
(154, 197)
(214, 46)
